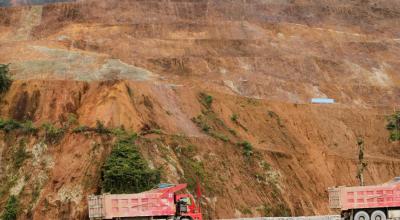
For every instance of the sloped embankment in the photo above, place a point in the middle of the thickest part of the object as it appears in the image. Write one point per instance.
(293, 148)
(216, 89)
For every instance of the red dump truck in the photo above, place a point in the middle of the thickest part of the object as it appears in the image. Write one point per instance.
(378, 202)
(160, 203)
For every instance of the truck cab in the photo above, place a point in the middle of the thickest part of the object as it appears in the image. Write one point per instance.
(187, 208)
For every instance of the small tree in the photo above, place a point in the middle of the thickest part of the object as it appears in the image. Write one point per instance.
(5, 80)
(247, 148)
(125, 171)
(361, 163)
(206, 100)
(11, 209)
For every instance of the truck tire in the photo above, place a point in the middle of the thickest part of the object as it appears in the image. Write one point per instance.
(361, 215)
(378, 215)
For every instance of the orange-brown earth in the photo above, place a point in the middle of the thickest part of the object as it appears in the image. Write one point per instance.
(143, 64)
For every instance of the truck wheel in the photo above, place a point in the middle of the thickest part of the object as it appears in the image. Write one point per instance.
(361, 215)
(378, 215)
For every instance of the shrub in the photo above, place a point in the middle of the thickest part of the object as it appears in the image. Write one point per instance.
(125, 171)
(28, 127)
(9, 125)
(201, 123)
(247, 148)
(206, 100)
(394, 126)
(52, 133)
(101, 129)
(81, 129)
(235, 118)
(220, 136)
(11, 209)
(20, 155)
(5, 80)
(72, 119)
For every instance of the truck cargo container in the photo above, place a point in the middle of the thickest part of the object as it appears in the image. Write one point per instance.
(160, 203)
(379, 202)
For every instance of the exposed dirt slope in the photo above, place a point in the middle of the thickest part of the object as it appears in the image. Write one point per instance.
(143, 64)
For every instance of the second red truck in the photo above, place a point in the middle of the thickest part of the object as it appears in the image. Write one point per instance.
(378, 202)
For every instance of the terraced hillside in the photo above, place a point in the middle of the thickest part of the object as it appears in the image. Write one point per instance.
(148, 65)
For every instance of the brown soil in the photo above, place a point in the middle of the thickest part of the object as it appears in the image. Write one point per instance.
(143, 64)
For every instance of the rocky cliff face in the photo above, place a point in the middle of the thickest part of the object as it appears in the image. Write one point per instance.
(143, 65)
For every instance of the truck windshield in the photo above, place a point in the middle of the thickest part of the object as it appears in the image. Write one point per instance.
(186, 200)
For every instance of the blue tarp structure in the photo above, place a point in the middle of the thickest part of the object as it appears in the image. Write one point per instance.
(322, 101)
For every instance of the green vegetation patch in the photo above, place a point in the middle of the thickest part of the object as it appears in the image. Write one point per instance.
(9, 125)
(11, 209)
(234, 118)
(203, 122)
(394, 126)
(194, 169)
(247, 148)
(206, 100)
(53, 134)
(20, 155)
(5, 79)
(100, 128)
(125, 171)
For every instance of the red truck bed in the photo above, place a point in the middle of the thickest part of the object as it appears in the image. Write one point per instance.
(157, 202)
(363, 197)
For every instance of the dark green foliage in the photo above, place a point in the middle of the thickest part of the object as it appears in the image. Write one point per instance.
(125, 171)
(52, 133)
(220, 136)
(247, 148)
(200, 121)
(121, 133)
(193, 169)
(72, 120)
(20, 155)
(9, 125)
(81, 129)
(28, 127)
(235, 118)
(206, 100)
(394, 126)
(101, 129)
(11, 209)
(5, 80)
